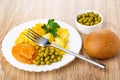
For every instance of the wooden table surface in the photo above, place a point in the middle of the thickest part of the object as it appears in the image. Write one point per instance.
(15, 12)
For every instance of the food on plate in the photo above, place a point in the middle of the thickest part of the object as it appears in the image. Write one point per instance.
(47, 55)
(89, 18)
(23, 39)
(102, 44)
(42, 55)
(24, 52)
(51, 27)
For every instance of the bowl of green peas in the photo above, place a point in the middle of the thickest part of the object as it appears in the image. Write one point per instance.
(88, 20)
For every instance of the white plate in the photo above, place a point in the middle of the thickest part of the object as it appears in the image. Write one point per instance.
(74, 43)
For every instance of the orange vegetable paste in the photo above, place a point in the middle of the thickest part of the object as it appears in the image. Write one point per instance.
(24, 52)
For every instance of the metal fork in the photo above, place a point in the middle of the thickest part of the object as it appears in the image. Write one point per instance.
(45, 42)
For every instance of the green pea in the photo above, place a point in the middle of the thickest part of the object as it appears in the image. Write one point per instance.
(48, 62)
(37, 63)
(99, 19)
(42, 59)
(42, 63)
(39, 51)
(96, 22)
(50, 53)
(46, 47)
(81, 20)
(56, 53)
(90, 15)
(82, 23)
(83, 15)
(45, 55)
(42, 48)
(58, 58)
(47, 58)
(85, 20)
(90, 19)
(55, 60)
(87, 23)
(79, 16)
(91, 23)
(96, 15)
(96, 19)
(51, 60)
(37, 58)
(46, 50)
(41, 54)
(53, 56)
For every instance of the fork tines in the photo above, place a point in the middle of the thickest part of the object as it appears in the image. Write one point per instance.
(33, 32)
(32, 35)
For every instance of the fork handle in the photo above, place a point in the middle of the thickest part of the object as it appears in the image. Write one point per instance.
(79, 56)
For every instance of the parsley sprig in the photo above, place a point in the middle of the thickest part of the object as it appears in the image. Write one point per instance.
(51, 27)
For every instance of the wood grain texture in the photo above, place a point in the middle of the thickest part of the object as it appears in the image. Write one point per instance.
(15, 12)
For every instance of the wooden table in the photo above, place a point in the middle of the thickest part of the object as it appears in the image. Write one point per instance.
(15, 12)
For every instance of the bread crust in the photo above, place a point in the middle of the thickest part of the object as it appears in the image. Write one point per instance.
(102, 44)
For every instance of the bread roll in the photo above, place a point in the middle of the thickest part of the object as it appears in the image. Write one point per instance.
(102, 44)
